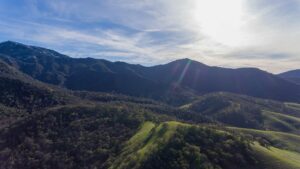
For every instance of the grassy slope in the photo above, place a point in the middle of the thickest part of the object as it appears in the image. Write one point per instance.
(281, 122)
(279, 139)
(285, 152)
(144, 143)
(248, 112)
(150, 137)
(275, 158)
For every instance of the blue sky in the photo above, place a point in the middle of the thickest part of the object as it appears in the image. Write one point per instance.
(231, 33)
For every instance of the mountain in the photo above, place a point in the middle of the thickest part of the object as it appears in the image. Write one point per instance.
(180, 79)
(45, 129)
(78, 74)
(205, 79)
(46, 126)
(22, 95)
(293, 76)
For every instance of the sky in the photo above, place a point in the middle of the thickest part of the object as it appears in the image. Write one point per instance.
(231, 33)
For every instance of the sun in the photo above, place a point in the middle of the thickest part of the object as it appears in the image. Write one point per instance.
(220, 20)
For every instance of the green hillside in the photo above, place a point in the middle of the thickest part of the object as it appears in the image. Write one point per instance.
(276, 150)
(278, 139)
(281, 122)
(247, 112)
(274, 158)
(147, 141)
(179, 145)
(168, 145)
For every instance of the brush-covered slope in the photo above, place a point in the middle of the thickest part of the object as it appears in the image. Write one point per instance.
(20, 91)
(107, 136)
(248, 112)
(22, 95)
(44, 126)
(175, 82)
(70, 137)
(117, 136)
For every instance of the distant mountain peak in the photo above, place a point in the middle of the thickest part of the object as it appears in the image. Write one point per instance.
(251, 69)
(187, 60)
(12, 43)
(19, 50)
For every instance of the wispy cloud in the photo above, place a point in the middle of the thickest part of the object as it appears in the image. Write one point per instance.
(237, 33)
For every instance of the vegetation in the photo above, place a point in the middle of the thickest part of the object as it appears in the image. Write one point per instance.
(281, 122)
(274, 158)
(70, 137)
(178, 145)
(247, 112)
(45, 126)
(146, 142)
(272, 138)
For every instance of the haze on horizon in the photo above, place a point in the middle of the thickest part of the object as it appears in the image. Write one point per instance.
(231, 33)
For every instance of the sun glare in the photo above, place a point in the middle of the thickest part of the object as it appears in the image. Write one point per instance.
(220, 20)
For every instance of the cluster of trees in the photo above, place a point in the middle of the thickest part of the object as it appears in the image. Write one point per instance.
(14, 94)
(151, 105)
(27, 96)
(235, 112)
(112, 97)
(70, 137)
(202, 148)
(246, 112)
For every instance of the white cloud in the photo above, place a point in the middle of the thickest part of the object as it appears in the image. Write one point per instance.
(235, 33)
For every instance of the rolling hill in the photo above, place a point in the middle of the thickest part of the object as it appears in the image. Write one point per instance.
(247, 112)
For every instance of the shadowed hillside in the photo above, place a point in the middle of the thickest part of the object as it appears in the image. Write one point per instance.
(174, 83)
(293, 76)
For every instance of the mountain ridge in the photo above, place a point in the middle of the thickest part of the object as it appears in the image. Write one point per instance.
(181, 77)
(292, 75)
